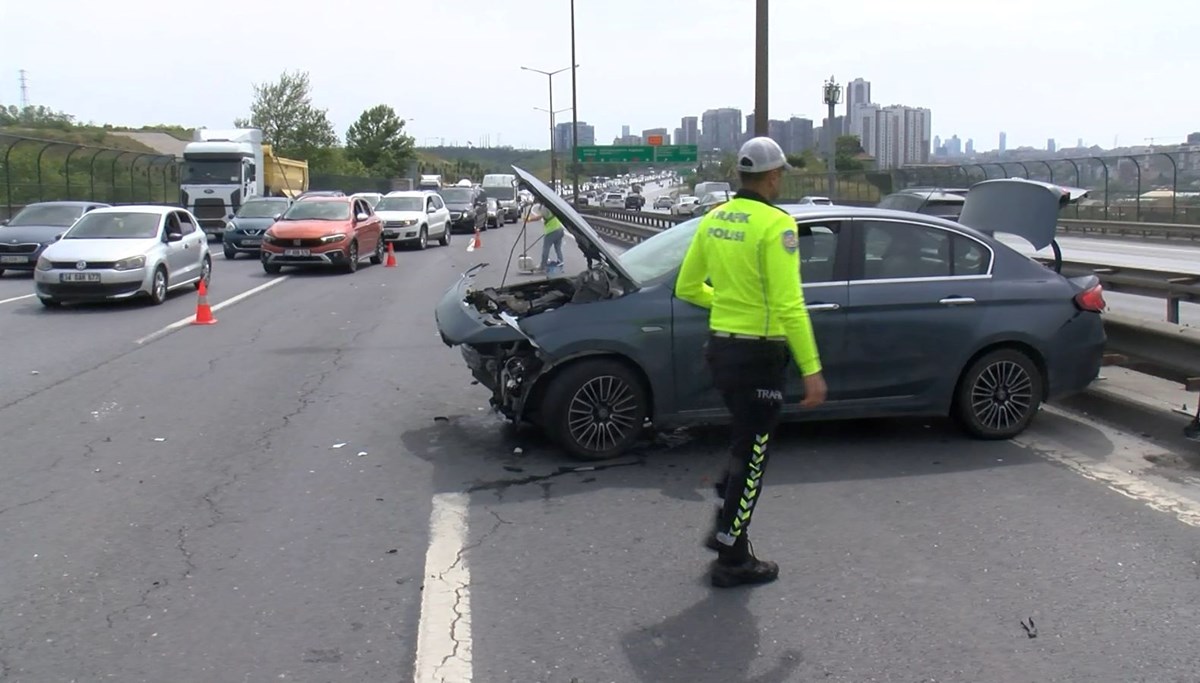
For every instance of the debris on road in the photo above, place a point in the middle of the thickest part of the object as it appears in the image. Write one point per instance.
(441, 418)
(159, 439)
(361, 453)
(338, 445)
(1030, 628)
(514, 468)
(34, 372)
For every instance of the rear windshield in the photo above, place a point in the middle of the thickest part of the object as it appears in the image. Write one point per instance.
(456, 195)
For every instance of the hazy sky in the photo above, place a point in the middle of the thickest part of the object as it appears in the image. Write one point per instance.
(1066, 69)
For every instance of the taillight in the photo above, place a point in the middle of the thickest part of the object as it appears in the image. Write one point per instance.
(1091, 299)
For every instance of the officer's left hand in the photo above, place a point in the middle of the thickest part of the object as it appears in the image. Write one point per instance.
(814, 391)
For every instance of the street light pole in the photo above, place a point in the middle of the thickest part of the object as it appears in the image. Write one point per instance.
(552, 114)
(832, 95)
(760, 70)
(550, 81)
(574, 116)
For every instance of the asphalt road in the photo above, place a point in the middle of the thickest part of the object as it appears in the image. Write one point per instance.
(313, 490)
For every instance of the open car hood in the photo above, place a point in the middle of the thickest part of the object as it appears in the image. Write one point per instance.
(1026, 208)
(589, 242)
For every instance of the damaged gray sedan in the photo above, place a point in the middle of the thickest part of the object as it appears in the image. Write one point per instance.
(914, 316)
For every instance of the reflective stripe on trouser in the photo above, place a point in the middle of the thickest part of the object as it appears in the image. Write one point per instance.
(750, 375)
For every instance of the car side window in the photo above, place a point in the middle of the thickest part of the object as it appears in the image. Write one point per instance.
(818, 250)
(437, 203)
(185, 223)
(970, 257)
(172, 224)
(895, 250)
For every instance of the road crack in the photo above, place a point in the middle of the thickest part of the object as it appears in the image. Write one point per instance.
(500, 485)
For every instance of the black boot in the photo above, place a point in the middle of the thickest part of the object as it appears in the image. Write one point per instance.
(738, 566)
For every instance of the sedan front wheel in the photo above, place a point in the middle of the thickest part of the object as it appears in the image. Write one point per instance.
(999, 395)
(595, 409)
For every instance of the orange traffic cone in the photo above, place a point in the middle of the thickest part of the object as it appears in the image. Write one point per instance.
(204, 314)
(391, 259)
(475, 243)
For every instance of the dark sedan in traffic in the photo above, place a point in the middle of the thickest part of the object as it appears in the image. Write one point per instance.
(34, 228)
(914, 315)
(245, 232)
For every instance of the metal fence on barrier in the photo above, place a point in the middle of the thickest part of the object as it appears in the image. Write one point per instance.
(36, 170)
(1159, 187)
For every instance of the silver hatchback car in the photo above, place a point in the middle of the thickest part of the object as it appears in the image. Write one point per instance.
(122, 252)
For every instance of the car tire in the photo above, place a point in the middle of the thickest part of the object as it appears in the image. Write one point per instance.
(50, 303)
(230, 254)
(158, 286)
(271, 268)
(351, 265)
(205, 272)
(423, 238)
(444, 240)
(579, 407)
(998, 395)
(379, 253)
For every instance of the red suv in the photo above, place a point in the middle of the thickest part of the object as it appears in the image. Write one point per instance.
(324, 231)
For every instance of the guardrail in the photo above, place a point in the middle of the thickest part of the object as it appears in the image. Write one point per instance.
(1163, 349)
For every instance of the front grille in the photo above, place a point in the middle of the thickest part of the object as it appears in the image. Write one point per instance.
(88, 289)
(91, 265)
(252, 233)
(18, 248)
(307, 243)
(209, 208)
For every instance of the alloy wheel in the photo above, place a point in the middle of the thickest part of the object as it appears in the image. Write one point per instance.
(602, 413)
(1002, 395)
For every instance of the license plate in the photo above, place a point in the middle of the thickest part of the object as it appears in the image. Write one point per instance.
(14, 259)
(251, 243)
(79, 277)
(297, 252)
(390, 233)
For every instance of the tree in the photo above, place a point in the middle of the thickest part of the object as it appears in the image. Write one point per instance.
(377, 141)
(289, 121)
(35, 116)
(846, 148)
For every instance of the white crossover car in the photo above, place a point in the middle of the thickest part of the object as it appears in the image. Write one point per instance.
(122, 252)
(412, 218)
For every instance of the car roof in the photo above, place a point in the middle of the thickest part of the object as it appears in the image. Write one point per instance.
(323, 198)
(409, 193)
(821, 211)
(68, 202)
(138, 208)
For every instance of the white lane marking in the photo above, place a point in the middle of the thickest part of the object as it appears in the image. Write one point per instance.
(17, 298)
(1130, 477)
(216, 307)
(444, 631)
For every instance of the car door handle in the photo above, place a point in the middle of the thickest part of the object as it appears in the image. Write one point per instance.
(823, 307)
(956, 300)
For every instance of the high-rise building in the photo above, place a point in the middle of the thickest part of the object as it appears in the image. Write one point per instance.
(624, 131)
(858, 92)
(1079, 143)
(780, 132)
(866, 127)
(1192, 139)
(678, 136)
(970, 147)
(1003, 141)
(954, 146)
(690, 125)
(657, 131)
(800, 135)
(896, 135)
(562, 136)
(1051, 146)
(937, 143)
(721, 129)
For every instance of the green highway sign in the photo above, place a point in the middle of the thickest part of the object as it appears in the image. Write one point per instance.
(675, 154)
(627, 154)
(615, 154)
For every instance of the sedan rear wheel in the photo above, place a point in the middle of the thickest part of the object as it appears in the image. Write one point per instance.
(380, 251)
(999, 395)
(595, 409)
(205, 273)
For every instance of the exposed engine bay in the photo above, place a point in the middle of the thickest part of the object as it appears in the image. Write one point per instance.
(596, 284)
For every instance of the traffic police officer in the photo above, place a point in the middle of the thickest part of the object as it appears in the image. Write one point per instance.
(749, 250)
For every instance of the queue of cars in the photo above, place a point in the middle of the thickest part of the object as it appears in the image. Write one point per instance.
(915, 315)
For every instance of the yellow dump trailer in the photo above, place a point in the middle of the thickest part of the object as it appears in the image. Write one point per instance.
(283, 177)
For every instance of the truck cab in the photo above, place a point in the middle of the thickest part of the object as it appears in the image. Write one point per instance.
(221, 169)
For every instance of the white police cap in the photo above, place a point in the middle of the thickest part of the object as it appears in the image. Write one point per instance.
(761, 154)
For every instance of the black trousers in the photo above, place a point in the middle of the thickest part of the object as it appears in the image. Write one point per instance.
(750, 374)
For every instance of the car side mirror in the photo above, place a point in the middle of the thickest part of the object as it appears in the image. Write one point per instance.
(361, 217)
(277, 217)
(174, 236)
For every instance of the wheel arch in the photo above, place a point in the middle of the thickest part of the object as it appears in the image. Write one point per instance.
(1030, 351)
(533, 402)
